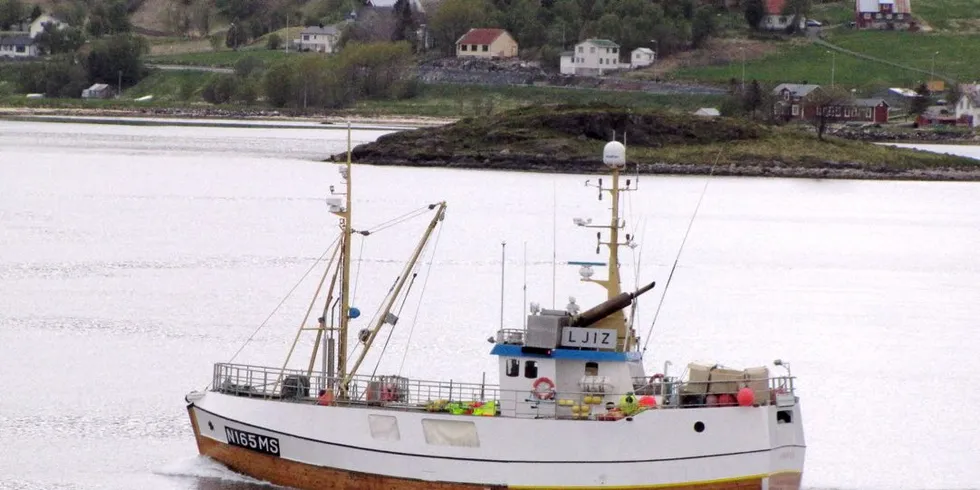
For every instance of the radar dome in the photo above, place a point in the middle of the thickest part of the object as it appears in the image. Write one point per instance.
(614, 154)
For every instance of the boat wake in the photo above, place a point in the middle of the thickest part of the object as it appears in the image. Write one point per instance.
(211, 475)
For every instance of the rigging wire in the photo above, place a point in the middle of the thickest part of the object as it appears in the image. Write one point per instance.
(391, 330)
(283, 301)
(360, 265)
(425, 281)
(690, 224)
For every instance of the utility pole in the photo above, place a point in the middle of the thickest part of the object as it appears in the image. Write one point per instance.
(287, 32)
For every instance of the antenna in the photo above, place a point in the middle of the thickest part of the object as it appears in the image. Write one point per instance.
(503, 258)
(554, 238)
(525, 287)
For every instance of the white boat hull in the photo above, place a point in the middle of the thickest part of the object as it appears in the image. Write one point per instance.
(308, 446)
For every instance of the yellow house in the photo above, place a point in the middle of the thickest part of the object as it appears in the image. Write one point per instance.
(486, 43)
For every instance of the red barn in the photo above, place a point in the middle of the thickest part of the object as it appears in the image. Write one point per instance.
(883, 14)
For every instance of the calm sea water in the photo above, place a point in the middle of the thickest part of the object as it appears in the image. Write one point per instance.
(133, 258)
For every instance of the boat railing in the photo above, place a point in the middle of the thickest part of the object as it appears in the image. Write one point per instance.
(395, 392)
(292, 384)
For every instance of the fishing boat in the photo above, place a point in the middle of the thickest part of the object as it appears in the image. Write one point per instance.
(573, 406)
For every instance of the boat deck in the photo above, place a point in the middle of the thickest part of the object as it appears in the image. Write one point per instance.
(400, 393)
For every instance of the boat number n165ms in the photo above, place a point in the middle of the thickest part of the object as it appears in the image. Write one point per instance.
(255, 442)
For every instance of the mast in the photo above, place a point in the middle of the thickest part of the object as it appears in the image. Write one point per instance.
(386, 316)
(614, 157)
(346, 230)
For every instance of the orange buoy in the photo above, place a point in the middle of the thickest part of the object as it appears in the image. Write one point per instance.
(326, 398)
(746, 397)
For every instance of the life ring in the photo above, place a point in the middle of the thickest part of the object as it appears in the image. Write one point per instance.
(543, 389)
(655, 377)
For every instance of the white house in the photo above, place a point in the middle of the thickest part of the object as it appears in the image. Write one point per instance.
(968, 107)
(37, 26)
(777, 18)
(642, 57)
(594, 57)
(318, 38)
(17, 47)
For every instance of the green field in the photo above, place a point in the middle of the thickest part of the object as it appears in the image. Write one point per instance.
(833, 13)
(224, 58)
(942, 14)
(800, 61)
(469, 100)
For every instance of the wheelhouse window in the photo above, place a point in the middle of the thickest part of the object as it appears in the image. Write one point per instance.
(513, 368)
(531, 369)
(592, 369)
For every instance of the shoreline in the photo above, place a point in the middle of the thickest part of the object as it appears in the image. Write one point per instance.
(89, 115)
(770, 169)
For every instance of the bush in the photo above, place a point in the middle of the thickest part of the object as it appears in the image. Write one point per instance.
(273, 42)
(248, 65)
(219, 89)
(248, 92)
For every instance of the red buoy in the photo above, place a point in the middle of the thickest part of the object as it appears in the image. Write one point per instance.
(726, 400)
(746, 397)
(648, 402)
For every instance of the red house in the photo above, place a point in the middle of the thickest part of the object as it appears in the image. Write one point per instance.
(883, 14)
(792, 102)
(860, 110)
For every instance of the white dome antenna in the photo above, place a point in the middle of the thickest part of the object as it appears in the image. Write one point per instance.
(614, 154)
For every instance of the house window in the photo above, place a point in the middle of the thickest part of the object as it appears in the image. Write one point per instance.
(530, 369)
(615, 50)
(601, 60)
(486, 47)
(472, 47)
(513, 368)
(898, 16)
(581, 49)
(867, 16)
(462, 47)
(20, 49)
(306, 37)
(592, 49)
(889, 16)
(796, 110)
(592, 369)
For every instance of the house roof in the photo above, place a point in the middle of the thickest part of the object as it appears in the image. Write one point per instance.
(602, 43)
(796, 89)
(16, 41)
(643, 50)
(898, 6)
(870, 102)
(480, 36)
(904, 92)
(328, 30)
(99, 86)
(775, 7)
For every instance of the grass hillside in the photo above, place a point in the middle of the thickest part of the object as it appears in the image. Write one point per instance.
(798, 60)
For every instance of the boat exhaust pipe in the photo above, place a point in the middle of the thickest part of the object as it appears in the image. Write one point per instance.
(608, 307)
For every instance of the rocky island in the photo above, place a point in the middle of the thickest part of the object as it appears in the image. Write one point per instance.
(569, 139)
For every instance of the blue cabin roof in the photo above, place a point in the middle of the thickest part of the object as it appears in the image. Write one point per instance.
(510, 350)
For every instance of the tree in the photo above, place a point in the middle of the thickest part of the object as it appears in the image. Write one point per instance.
(828, 104)
(115, 56)
(236, 36)
(702, 27)
(453, 18)
(55, 40)
(109, 17)
(754, 11)
(36, 12)
(752, 98)
(11, 12)
(405, 23)
(797, 9)
(202, 17)
(920, 102)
